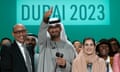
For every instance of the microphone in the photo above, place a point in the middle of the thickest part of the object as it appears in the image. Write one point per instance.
(89, 64)
(58, 54)
(89, 67)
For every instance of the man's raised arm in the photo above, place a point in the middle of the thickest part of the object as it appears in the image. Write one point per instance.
(42, 35)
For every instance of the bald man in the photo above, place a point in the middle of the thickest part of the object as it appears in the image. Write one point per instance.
(14, 58)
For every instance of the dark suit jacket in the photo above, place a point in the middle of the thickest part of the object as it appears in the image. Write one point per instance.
(12, 59)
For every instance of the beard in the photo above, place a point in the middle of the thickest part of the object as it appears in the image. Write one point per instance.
(30, 48)
(55, 35)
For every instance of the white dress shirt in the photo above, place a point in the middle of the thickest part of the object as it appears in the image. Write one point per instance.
(108, 61)
(21, 49)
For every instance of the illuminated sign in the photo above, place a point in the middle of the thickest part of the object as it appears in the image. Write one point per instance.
(71, 12)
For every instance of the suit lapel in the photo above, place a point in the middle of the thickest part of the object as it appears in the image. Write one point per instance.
(18, 52)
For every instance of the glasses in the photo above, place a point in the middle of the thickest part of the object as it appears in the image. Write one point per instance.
(19, 31)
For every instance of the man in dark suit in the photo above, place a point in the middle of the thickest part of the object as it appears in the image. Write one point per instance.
(15, 58)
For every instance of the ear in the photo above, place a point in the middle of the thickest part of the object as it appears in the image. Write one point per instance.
(13, 34)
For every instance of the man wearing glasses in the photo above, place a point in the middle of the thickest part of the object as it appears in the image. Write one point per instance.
(16, 58)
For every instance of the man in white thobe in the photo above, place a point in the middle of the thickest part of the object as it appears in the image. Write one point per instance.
(56, 52)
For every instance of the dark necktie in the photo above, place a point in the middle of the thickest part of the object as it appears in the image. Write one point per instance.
(107, 64)
(28, 60)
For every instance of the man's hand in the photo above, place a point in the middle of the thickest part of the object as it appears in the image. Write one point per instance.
(48, 14)
(61, 61)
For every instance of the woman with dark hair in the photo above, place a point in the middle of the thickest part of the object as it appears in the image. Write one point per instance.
(116, 62)
(115, 45)
(116, 54)
(87, 60)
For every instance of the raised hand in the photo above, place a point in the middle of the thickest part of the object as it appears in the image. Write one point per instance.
(48, 14)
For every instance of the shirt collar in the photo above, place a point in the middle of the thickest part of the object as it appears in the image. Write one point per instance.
(18, 43)
(108, 59)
